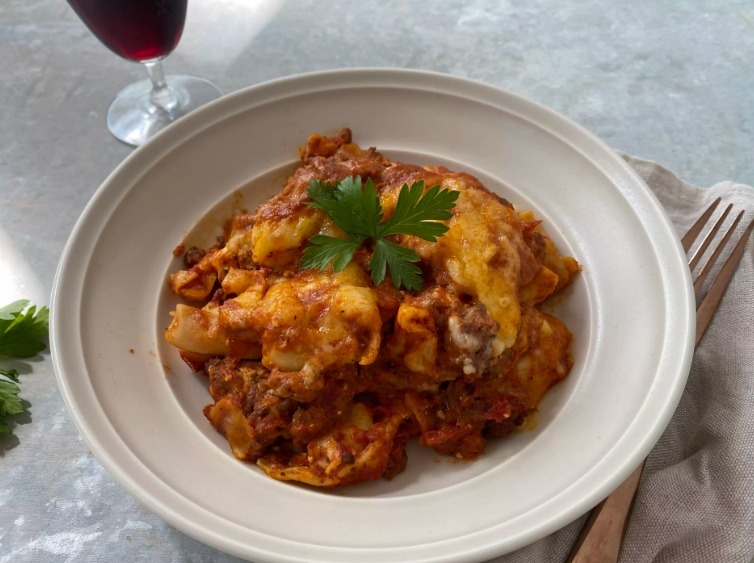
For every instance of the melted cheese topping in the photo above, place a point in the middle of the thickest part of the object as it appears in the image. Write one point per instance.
(321, 377)
(482, 252)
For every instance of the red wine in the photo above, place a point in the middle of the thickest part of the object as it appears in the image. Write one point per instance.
(138, 30)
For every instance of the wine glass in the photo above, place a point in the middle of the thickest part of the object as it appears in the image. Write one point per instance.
(145, 31)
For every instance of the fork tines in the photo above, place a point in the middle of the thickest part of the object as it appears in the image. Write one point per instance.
(720, 283)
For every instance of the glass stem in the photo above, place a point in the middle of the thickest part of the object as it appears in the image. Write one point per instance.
(162, 96)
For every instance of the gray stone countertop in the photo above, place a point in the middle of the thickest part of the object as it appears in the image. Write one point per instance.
(669, 81)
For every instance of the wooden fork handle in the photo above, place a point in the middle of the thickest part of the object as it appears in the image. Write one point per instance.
(600, 540)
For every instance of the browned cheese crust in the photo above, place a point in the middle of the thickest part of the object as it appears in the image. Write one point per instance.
(322, 377)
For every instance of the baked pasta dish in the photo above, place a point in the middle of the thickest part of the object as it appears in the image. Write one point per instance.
(320, 375)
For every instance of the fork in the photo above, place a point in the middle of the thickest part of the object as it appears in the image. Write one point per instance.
(601, 539)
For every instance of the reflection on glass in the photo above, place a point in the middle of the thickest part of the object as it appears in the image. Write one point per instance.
(145, 31)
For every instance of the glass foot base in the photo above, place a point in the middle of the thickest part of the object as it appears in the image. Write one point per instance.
(133, 119)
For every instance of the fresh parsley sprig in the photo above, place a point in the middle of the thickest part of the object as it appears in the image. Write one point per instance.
(358, 213)
(20, 337)
(10, 402)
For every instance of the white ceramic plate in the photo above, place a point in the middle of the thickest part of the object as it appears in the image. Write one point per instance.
(139, 408)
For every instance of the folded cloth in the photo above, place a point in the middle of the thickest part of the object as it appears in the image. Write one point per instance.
(696, 497)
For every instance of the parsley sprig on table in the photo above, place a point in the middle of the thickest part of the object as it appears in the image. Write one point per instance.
(358, 213)
(20, 337)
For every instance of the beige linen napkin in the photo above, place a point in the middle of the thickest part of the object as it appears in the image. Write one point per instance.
(696, 497)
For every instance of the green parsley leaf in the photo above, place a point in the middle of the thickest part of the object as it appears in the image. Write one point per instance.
(20, 334)
(21, 337)
(10, 311)
(350, 207)
(400, 259)
(10, 402)
(10, 374)
(418, 215)
(357, 211)
(325, 249)
(322, 194)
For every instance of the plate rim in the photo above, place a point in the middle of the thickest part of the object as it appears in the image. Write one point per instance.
(219, 110)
